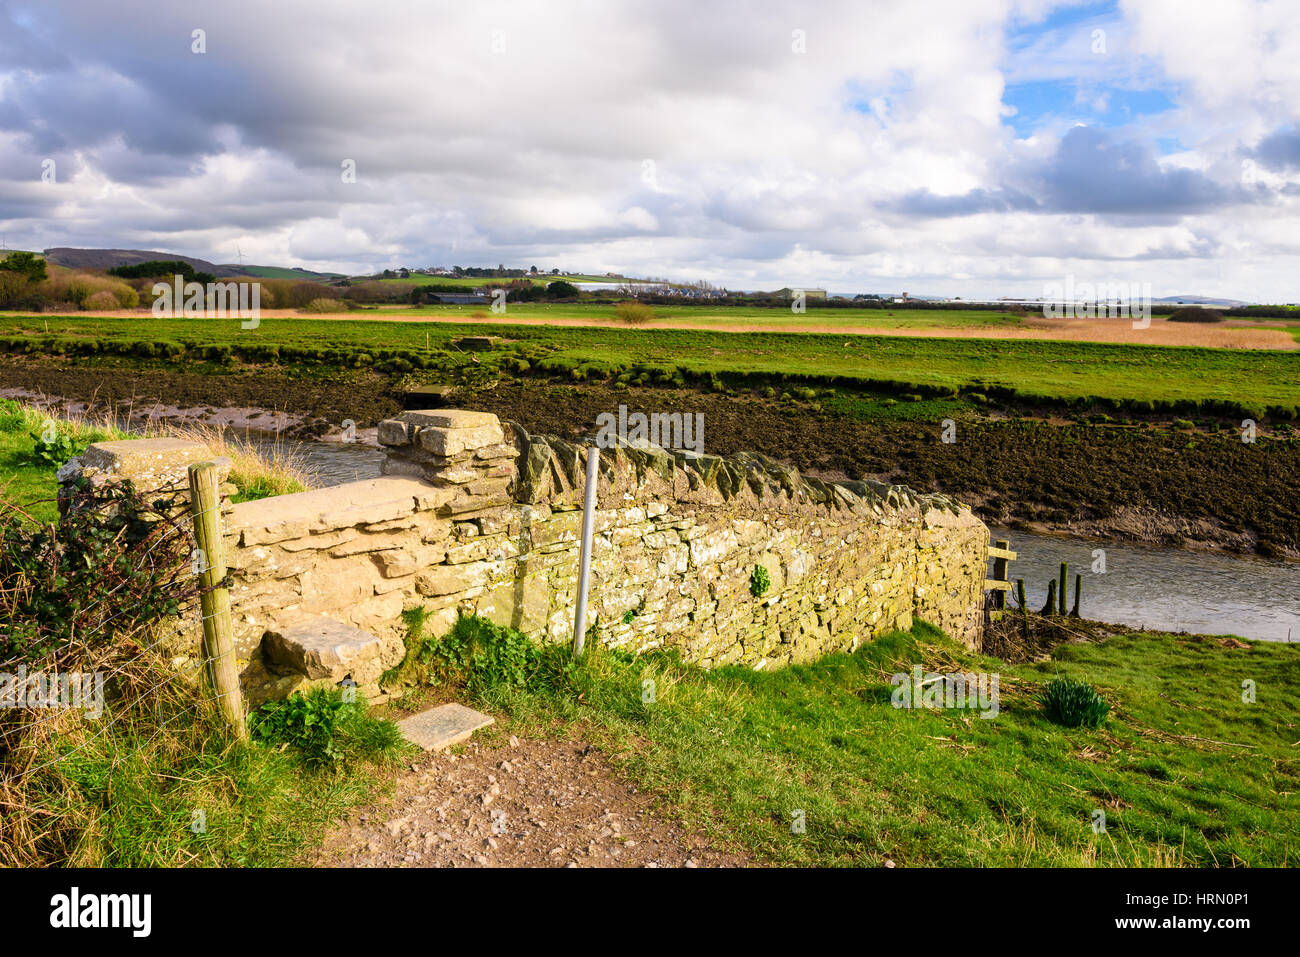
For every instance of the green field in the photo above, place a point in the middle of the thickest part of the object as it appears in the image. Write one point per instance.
(282, 272)
(1028, 369)
(1184, 771)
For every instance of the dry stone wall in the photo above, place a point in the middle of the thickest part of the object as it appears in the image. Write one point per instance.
(474, 516)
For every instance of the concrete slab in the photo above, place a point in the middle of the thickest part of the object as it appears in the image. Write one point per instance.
(443, 726)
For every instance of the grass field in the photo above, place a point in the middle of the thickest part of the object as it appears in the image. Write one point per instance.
(1035, 369)
(29, 482)
(1185, 772)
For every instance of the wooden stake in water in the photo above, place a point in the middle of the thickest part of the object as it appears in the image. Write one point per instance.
(1062, 596)
(1050, 607)
(1078, 591)
(218, 629)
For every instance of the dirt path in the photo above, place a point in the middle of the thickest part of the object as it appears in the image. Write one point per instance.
(531, 803)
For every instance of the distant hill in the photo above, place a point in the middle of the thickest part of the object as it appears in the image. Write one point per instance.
(279, 272)
(1200, 301)
(109, 258)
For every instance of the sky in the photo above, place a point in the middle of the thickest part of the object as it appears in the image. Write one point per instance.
(953, 147)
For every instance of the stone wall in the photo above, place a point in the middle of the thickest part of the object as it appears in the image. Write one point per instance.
(477, 516)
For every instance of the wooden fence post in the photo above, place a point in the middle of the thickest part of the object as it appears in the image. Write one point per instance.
(218, 629)
(1000, 574)
(1000, 583)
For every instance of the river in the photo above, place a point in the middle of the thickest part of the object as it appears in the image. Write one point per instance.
(1169, 589)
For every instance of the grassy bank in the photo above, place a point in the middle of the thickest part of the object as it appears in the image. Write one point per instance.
(1140, 378)
(157, 783)
(34, 443)
(1185, 772)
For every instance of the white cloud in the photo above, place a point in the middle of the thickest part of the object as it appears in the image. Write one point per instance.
(515, 132)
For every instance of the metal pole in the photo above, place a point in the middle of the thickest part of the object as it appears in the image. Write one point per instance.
(584, 567)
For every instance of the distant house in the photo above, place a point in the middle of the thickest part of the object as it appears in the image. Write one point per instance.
(788, 293)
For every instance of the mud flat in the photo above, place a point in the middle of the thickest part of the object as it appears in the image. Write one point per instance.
(1149, 484)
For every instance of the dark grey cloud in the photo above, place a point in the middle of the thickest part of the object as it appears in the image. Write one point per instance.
(1280, 150)
(1090, 172)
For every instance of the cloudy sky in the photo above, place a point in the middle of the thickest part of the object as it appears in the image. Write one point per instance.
(962, 147)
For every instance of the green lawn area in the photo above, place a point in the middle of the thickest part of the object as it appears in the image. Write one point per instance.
(1053, 370)
(1184, 771)
(24, 480)
(30, 483)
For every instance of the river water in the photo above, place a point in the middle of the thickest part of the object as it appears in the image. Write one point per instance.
(1167, 589)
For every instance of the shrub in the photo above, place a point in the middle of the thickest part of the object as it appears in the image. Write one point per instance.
(482, 655)
(1074, 704)
(28, 265)
(324, 728)
(321, 305)
(113, 565)
(759, 581)
(561, 290)
(54, 446)
(1196, 314)
(633, 313)
(101, 301)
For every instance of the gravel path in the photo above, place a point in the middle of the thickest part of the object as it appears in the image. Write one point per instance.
(518, 804)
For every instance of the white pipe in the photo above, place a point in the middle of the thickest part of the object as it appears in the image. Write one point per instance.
(584, 567)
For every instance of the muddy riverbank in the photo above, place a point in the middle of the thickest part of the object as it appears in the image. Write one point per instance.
(1145, 485)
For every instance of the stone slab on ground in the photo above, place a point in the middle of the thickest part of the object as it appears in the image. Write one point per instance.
(441, 727)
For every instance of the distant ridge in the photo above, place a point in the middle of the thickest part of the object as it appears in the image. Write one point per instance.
(110, 258)
(1201, 301)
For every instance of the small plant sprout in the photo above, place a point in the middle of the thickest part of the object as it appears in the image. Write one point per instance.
(1074, 704)
(759, 581)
